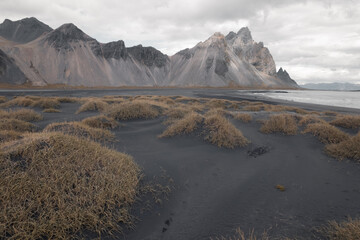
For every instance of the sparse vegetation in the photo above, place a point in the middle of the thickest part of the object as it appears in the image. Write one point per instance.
(347, 121)
(326, 133)
(346, 230)
(132, 110)
(16, 125)
(3, 99)
(56, 186)
(80, 130)
(93, 105)
(282, 123)
(100, 121)
(24, 114)
(240, 235)
(185, 125)
(51, 110)
(244, 117)
(18, 101)
(220, 132)
(306, 119)
(348, 148)
(9, 135)
(46, 103)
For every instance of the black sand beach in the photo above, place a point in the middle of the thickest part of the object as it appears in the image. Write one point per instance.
(217, 190)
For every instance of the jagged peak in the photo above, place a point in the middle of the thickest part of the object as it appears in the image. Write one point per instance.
(68, 32)
(230, 35)
(245, 34)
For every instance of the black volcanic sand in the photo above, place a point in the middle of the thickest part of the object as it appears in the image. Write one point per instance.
(217, 190)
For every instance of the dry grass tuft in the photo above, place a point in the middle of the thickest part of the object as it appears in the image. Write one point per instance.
(326, 133)
(253, 108)
(186, 125)
(18, 101)
(240, 235)
(132, 110)
(51, 110)
(9, 135)
(244, 117)
(330, 113)
(219, 131)
(216, 103)
(67, 99)
(282, 123)
(346, 230)
(56, 186)
(3, 99)
(347, 121)
(80, 130)
(349, 148)
(101, 121)
(93, 105)
(177, 112)
(46, 103)
(217, 111)
(306, 119)
(16, 125)
(27, 115)
(280, 187)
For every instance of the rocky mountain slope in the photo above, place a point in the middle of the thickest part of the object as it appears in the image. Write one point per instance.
(67, 55)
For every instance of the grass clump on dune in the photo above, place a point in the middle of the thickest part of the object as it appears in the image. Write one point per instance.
(101, 121)
(349, 148)
(3, 99)
(18, 101)
(51, 110)
(93, 105)
(347, 121)
(45, 103)
(326, 133)
(80, 130)
(282, 123)
(16, 125)
(220, 132)
(185, 125)
(244, 117)
(240, 235)
(306, 119)
(9, 135)
(132, 110)
(346, 230)
(56, 186)
(24, 114)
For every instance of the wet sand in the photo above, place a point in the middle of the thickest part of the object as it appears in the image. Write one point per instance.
(217, 190)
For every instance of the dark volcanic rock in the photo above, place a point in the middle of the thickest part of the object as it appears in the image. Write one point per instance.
(186, 53)
(10, 73)
(24, 30)
(148, 55)
(221, 67)
(284, 76)
(61, 37)
(115, 50)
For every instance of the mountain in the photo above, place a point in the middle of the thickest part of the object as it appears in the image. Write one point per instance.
(9, 72)
(67, 55)
(332, 86)
(24, 30)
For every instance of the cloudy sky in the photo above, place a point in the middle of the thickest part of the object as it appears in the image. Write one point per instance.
(315, 41)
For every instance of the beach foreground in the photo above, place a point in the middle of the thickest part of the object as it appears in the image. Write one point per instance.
(279, 174)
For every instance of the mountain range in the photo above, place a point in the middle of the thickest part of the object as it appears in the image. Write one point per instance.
(332, 86)
(34, 53)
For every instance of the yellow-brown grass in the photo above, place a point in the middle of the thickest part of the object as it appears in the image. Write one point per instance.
(185, 125)
(93, 105)
(132, 110)
(330, 113)
(46, 103)
(240, 235)
(281, 123)
(326, 133)
(56, 186)
(16, 125)
(244, 117)
(100, 121)
(216, 103)
(27, 115)
(347, 121)
(80, 130)
(349, 148)
(346, 230)
(176, 112)
(220, 132)
(254, 108)
(18, 101)
(51, 110)
(217, 111)
(9, 135)
(3, 99)
(67, 99)
(306, 119)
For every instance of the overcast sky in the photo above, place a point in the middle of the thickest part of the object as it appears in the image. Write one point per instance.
(315, 41)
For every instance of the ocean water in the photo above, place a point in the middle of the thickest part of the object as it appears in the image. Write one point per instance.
(350, 99)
